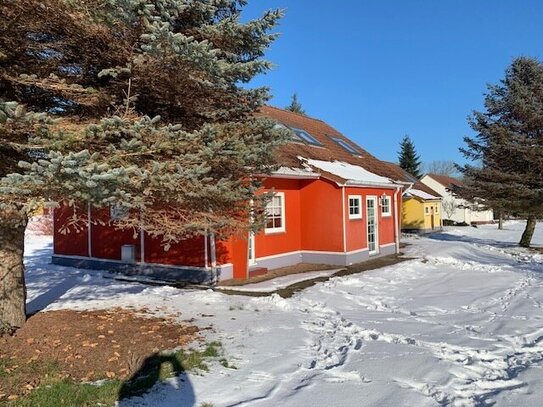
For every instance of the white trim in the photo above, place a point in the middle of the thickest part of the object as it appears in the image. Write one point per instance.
(300, 252)
(89, 229)
(282, 229)
(359, 214)
(376, 220)
(344, 226)
(387, 245)
(389, 212)
(252, 251)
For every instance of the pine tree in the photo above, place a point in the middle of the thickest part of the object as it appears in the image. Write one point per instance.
(408, 158)
(295, 106)
(507, 174)
(147, 113)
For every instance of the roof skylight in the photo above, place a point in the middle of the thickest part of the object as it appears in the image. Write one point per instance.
(308, 138)
(346, 146)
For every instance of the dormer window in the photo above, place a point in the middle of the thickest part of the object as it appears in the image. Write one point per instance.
(305, 136)
(346, 146)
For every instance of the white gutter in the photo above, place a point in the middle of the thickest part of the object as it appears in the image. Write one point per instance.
(396, 221)
(343, 219)
(142, 246)
(89, 229)
(206, 255)
(213, 256)
(356, 183)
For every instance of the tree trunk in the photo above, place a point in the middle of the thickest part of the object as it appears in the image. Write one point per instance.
(12, 279)
(526, 238)
(500, 221)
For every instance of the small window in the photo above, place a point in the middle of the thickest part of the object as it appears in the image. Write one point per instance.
(385, 206)
(275, 213)
(346, 146)
(292, 135)
(355, 207)
(427, 210)
(437, 209)
(308, 138)
(118, 212)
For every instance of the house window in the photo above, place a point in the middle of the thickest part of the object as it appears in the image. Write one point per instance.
(427, 210)
(385, 206)
(346, 146)
(118, 212)
(275, 213)
(437, 209)
(355, 207)
(308, 138)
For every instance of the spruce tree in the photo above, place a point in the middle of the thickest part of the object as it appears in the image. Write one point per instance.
(408, 158)
(295, 106)
(507, 173)
(145, 110)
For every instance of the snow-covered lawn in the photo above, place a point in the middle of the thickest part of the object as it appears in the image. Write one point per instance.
(460, 325)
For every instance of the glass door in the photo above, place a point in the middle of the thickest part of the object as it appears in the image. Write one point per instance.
(372, 222)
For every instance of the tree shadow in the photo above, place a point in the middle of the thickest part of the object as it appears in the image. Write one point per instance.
(447, 237)
(153, 370)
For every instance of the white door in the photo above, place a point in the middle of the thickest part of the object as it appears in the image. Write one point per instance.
(252, 259)
(372, 224)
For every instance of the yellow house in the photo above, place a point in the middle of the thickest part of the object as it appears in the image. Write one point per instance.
(421, 210)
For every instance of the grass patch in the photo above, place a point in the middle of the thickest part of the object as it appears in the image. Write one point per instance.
(54, 390)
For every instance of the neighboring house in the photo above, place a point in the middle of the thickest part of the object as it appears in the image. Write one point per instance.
(455, 208)
(334, 203)
(422, 210)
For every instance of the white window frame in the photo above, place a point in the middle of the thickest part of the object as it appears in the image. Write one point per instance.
(283, 217)
(389, 204)
(356, 215)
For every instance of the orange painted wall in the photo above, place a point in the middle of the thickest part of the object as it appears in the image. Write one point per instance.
(356, 228)
(289, 240)
(74, 243)
(320, 214)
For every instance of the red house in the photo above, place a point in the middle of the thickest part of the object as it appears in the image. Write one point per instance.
(334, 203)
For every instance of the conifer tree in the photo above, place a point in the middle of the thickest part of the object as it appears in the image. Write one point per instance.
(144, 111)
(295, 106)
(408, 158)
(507, 173)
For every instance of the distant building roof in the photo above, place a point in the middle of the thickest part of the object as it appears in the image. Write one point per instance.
(446, 181)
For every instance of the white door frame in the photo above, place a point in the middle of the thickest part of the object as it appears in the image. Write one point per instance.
(251, 252)
(376, 221)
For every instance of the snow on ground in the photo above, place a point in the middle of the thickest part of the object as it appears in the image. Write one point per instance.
(460, 325)
(275, 284)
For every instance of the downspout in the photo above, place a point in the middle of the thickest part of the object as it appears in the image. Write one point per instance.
(213, 258)
(206, 255)
(89, 230)
(343, 219)
(142, 246)
(396, 221)
(142, 241)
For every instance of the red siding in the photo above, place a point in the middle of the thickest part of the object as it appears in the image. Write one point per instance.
(74, 243)
(107, 241)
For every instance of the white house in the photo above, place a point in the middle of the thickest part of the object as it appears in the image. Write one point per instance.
(455, 208)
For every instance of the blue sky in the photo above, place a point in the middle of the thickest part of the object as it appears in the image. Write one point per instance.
(379, 69)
